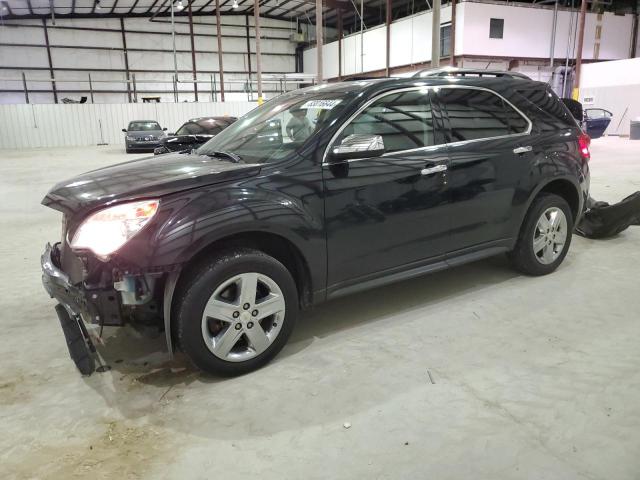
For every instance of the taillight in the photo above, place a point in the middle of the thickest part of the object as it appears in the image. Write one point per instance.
(584, 141)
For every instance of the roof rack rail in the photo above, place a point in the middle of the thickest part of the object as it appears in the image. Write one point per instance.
(473, 72)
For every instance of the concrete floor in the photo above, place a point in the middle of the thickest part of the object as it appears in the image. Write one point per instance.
(476, 372)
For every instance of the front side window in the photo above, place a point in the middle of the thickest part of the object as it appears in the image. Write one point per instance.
(403, 120)
(280, 127)
(475, 114)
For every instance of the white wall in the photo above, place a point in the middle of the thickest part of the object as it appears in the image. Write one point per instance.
(527, 35)
(28, 126)
(527, 32)
(614, 86)
(410, 43)
(71, 63)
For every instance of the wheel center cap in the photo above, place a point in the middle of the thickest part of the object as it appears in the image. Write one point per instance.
(245, 317)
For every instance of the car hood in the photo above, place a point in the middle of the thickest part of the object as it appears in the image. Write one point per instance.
(143, 178)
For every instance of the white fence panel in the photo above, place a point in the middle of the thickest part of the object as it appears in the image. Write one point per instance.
(31, 126)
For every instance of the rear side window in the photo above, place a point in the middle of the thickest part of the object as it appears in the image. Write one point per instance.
(404, 121)
(477, 114)
(545, 109)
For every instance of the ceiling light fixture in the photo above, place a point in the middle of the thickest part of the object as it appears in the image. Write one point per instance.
(235, 4)
(179, 5)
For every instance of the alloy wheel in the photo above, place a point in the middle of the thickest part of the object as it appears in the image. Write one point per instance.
(243, 317)
(550, 235)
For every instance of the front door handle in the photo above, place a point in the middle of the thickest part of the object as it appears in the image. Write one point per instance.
(522, 149)
(435, 169)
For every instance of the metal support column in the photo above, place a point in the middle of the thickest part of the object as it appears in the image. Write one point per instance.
(340, 35)
(220, 63)
(256, 16)
(175, 60)
(453, 34)
(53, 78)
(135, 90)
(319, 41)
(583, 15)
(126, 57)
(554, 27)
(388, 25)
(193, 54)
(435, 35)
(361, 36)
(248, 35)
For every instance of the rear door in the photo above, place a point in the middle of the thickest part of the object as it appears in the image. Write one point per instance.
(489, 154)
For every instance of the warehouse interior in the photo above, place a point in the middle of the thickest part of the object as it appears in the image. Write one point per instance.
(476, 371)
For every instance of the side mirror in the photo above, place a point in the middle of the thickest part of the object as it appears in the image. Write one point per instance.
(164, 129)
(170, 134)
(124, 130)
(359, 145)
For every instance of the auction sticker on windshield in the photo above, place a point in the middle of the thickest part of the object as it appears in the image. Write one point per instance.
(321, 104)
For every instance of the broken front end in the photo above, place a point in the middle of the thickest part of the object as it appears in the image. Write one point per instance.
(95, 287)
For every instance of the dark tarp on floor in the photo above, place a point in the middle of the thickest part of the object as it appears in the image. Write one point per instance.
(602, 220)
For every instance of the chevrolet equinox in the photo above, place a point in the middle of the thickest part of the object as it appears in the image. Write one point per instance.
(318, 193)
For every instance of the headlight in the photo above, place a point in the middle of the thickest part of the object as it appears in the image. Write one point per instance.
(106, 231)
(129, 137)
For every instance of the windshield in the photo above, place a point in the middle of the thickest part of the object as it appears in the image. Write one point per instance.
(279, 127)
(202, 128)
(143, 126)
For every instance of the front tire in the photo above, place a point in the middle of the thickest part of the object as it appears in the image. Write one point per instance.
(545, 236)
(236, 312)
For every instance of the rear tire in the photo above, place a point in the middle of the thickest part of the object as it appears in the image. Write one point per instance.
(545, 236)
(223, 323)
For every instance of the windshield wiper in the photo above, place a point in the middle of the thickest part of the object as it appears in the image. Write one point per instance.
(221, 153)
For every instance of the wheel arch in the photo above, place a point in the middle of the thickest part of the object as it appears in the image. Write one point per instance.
(273, 244)
(565, 187)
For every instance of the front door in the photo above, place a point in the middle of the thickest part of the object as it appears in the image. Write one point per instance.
(489, 151)
(387, 213)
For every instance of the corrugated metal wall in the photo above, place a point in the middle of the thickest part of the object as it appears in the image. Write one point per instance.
(29, 126)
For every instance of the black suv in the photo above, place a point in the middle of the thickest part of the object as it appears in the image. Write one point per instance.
(318, 193)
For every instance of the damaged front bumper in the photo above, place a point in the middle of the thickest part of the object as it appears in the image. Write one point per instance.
(89, 302)
(76, 307)
(97, 306)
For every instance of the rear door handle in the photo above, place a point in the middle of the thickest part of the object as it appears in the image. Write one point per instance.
(522, 149)
(435, 169)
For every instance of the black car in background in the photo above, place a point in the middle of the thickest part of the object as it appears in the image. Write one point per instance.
(193, 134)
(143, 135)
(318, 193)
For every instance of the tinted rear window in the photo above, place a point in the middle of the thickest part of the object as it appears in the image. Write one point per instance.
(475, 114)
(544, 108)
